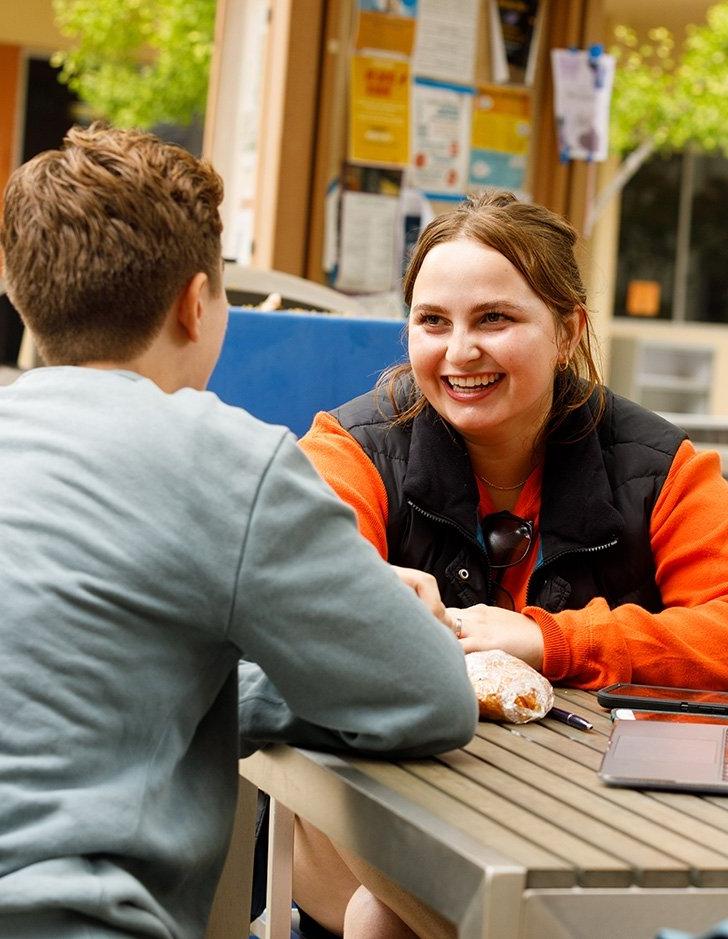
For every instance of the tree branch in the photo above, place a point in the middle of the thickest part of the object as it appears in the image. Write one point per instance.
(626, 171)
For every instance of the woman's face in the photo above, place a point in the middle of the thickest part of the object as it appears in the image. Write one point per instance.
(483, 346)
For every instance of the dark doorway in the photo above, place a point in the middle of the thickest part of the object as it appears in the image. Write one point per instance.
(50, 109)
(49, 112)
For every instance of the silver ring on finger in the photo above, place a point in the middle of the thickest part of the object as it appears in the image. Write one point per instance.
(458, 627)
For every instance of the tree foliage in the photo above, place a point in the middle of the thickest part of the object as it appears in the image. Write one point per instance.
(672, 98)
(666, 99)
(138, 62)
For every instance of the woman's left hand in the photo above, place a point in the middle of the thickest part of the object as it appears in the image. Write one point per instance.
(481, 628)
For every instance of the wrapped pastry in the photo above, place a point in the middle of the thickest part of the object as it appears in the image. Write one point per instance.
(507, 689)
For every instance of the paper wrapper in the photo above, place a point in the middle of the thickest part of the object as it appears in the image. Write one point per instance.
(507, 689)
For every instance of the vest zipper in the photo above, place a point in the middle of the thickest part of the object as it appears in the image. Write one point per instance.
(448, 521)
(556, 557)
(442, 519)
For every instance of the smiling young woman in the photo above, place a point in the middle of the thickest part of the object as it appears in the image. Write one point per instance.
(483, 348)
(562, 523)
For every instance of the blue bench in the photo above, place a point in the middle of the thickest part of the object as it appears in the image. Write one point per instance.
(284, 367)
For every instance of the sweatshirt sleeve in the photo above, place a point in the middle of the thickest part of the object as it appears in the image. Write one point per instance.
(340, 460)
(350, 657)
(686, 644)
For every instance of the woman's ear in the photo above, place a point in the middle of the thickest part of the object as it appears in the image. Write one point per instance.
(572, 329)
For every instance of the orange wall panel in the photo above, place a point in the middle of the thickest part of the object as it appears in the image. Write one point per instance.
(9, 77)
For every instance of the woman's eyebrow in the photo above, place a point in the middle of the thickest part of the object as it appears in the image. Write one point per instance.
(489, 305)
(427, 308)
(485, 307)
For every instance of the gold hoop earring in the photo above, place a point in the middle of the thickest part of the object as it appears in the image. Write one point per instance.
(563, 365)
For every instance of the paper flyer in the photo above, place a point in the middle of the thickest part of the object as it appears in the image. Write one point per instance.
(441, 118)
(446, 40)
(500, 137)
(367, 242)
(582, 94)
(386, 25)
(379, 110)
(387, 33)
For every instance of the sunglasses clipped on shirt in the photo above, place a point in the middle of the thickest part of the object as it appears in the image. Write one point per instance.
(507, 538)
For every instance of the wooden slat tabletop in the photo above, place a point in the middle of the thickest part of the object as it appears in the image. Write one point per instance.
(531, 791)
(546, 868)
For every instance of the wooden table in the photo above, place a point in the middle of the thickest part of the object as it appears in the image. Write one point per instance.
(513, 836)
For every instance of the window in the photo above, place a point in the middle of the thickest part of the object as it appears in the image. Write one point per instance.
(672, 240)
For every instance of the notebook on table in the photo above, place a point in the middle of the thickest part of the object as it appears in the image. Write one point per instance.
(663, 754)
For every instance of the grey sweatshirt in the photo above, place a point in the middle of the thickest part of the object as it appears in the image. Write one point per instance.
(149, 543)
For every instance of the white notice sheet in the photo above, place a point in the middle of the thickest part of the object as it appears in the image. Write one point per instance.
(440, 149)
(366, 242)
(446, 40)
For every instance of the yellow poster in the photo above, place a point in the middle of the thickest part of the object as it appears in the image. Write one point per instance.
(384, 31)
(379, 111)
(501, 119)
(501, 127)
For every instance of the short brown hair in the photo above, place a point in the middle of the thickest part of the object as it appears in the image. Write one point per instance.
(541, 246)
(100, 237)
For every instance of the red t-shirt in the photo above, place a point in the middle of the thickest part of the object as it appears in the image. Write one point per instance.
(515, 579)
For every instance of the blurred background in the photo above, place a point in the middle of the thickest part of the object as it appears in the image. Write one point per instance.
(341, 127)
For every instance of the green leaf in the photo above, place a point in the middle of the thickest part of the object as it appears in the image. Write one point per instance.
(673, 98)
(139, 62)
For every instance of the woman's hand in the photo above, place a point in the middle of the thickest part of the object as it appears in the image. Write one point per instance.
(425, 586)
(489, 627)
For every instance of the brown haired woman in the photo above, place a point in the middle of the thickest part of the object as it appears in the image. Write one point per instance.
(563, 524)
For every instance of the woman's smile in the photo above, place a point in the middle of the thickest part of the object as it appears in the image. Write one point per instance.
(468, 387)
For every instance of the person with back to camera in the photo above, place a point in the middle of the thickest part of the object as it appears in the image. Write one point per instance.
(152, 537)
(563, 523)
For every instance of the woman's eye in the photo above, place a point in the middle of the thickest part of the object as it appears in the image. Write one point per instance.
(493, 316)
(431, 319)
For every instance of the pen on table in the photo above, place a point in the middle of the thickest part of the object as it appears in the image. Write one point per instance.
(573, 720)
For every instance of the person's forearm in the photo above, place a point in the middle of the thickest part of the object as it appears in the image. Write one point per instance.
(357, 658)
(687, 642)
(265, 718)
(596, 646)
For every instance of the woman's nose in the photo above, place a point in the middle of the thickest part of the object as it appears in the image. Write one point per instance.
(462, 348)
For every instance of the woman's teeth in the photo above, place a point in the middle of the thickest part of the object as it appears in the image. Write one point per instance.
(461, 382)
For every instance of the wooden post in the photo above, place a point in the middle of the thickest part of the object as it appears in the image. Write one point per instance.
(288, 130)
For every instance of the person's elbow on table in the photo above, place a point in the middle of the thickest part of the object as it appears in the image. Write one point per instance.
(449, 709)
(442, 723)
(425, 707)
(459, 718)
(422, 705)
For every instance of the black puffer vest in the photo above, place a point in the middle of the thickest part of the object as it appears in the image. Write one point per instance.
(597, 499)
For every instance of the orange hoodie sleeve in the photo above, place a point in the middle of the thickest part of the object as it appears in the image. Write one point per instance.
(687, 643)
(341, 461)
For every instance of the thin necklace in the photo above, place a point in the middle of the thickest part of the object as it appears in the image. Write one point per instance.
(501, 488)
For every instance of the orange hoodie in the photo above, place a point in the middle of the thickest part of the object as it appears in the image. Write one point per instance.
(684, 645)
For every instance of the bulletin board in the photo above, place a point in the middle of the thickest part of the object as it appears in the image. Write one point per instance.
(436, 104)
(423, 102)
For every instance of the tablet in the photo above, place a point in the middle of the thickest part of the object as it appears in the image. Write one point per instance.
(646, 754)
